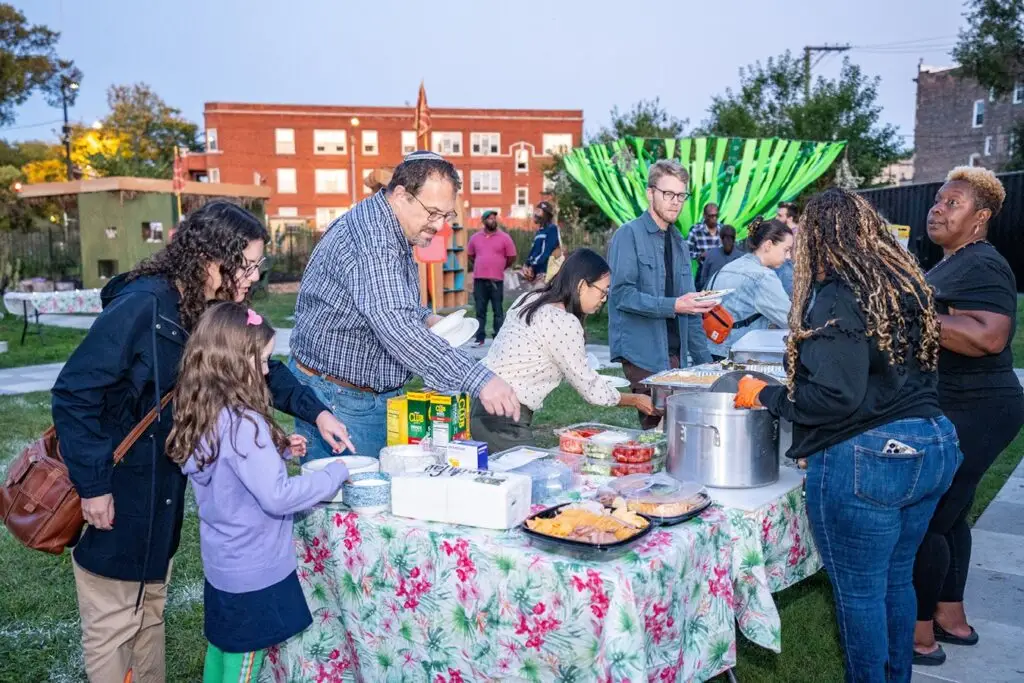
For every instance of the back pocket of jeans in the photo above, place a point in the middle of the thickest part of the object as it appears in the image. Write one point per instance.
(887, 479)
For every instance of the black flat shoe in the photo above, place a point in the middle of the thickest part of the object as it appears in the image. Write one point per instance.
(931, 659)
(944, 636)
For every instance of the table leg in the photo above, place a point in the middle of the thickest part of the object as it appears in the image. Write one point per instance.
(732, 676)
(24, 329)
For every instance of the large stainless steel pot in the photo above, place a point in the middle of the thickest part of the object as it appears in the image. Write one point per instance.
(711, 442)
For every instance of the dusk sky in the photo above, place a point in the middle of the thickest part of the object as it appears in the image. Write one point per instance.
(586, 54)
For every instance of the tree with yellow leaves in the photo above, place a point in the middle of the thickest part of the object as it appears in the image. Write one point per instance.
(87, 144)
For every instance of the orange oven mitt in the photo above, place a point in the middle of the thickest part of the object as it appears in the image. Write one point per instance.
(747, 392)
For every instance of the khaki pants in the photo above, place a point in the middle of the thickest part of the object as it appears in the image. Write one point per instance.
(115, 638)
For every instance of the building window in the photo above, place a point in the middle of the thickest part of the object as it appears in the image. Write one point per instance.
(327, 215)
(522, 196)
(1018, 92)
(484, 144)
(111, 232)
(286, 181)
(408, 142)
(979, 114)
(557, 143)
(485, 182)
(214, 175)
(329, 141)
(447, 144)
(284, 140)
(478, 211)
(211, 140)
(106, 268)
(288, 212)
(370, 146)
(331, 181)
(152, 231)
(522, 160)
(988, 145)
(974, 159)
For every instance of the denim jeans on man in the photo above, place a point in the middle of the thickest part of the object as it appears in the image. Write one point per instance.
(869, 508)
(363, 413)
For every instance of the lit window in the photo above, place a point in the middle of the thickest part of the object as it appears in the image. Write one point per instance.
(332, 181)
(329, 141)
(370, 142)
(286, 181)
(284, 140)
(485, 182)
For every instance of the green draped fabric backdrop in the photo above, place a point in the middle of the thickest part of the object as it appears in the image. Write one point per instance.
(744, 177)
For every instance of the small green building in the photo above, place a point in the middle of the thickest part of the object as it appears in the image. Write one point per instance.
(123, 220)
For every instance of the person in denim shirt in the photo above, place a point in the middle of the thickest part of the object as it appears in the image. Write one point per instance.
(759, 299)
(653, 317)
(862, 394)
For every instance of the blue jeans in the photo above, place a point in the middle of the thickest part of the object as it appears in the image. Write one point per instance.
(869, 509)
(364, 414)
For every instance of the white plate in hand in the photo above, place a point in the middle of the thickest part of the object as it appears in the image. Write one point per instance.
(715, 296)
(462, 333)
(450, 323)
(617, 382)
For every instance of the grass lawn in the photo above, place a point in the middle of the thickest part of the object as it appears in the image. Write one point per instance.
(54, 345)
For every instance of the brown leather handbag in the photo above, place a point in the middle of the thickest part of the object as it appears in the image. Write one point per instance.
(38, 502)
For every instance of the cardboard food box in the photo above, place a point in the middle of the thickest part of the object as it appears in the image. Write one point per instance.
(398, 421)
(419, 415)
(446, 419)
(467, 454)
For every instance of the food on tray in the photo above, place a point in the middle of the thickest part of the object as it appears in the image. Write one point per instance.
(590, 523)
(572, 440)
(658, 496)
(633, 452)
(652, 509)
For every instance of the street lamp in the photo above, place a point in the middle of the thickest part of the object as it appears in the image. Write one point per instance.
(352, 159)
(67, 84)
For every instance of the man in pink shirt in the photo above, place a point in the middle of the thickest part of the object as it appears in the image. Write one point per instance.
(490, 252)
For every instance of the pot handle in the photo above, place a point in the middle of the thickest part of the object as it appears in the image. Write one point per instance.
(718, 434)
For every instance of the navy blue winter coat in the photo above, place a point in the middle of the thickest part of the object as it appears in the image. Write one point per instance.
(130, 357)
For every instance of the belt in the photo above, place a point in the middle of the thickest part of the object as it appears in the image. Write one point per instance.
(335, 380)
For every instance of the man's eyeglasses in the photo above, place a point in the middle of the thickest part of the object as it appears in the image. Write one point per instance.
(251, 268)
(671, 196)
(433, 214)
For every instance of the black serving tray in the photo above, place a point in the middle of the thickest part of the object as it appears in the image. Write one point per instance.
(579, 549)
(679, 519)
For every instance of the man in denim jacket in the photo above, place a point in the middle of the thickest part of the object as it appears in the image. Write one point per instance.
(654, 318)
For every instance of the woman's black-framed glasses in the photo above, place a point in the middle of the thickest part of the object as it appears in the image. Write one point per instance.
(604, 292)
(435, 214)
(671, 196)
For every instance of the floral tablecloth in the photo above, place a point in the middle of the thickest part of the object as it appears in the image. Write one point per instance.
(400, 600)
(74, 301)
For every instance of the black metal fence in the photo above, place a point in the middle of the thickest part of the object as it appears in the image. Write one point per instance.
(53, 252)
(289, 251)
(908, 205)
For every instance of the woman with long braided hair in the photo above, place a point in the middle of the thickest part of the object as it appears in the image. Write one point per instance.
(861, 358)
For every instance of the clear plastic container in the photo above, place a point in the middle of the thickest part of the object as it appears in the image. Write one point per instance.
(660, 497)
(573, 439)
(601, 467)
(633, 452)
(550, 477)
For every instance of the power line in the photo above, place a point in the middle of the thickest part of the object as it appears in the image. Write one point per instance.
(906, 43)
(32, 125)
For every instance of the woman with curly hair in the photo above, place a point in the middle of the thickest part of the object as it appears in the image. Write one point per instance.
(127, 361)
(861, 358)
(976, 295)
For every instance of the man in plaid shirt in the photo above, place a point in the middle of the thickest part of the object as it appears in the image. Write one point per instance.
(704, 236)
(360, 331)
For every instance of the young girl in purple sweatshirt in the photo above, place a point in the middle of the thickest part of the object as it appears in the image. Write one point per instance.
(227, 442)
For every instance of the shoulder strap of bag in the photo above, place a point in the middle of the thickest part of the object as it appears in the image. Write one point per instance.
(139, 429)
(739, 324)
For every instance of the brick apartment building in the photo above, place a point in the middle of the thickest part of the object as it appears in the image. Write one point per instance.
(958, 122)
(315, 158)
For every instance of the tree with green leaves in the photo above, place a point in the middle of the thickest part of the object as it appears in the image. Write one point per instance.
(646, 119)
(991, 49)
(770, 103)
(29, 63)
(152, 130)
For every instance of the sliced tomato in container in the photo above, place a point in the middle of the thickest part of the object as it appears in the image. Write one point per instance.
(632, 452)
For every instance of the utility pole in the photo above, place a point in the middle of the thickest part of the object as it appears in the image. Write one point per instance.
(808, 49)
(67, 84)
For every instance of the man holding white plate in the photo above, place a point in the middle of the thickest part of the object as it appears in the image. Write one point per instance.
(360, 331)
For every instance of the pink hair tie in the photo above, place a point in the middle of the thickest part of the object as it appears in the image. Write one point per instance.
(254, 318)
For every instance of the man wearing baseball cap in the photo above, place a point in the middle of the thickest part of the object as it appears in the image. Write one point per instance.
(545, 243)
(490, 252)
